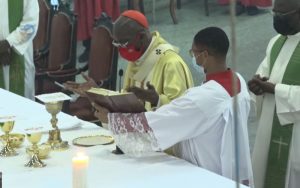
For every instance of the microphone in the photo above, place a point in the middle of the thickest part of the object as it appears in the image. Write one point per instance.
(121, 72)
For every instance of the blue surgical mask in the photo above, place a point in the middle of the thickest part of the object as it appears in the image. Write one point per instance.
(197, 67)
(194, 63)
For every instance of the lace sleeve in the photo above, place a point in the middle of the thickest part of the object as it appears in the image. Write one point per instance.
(132, 133)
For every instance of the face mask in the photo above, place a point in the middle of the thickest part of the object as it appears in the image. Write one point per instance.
(282, 26)
(130, 53)
(197, 67)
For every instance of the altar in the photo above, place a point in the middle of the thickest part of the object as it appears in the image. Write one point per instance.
(105, 169)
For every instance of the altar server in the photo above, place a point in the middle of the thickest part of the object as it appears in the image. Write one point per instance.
(201, 122)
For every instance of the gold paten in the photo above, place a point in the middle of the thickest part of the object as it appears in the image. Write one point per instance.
(87, 141)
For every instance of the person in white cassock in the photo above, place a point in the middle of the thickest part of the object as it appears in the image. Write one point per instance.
(18, 26)
(200, 123)
(276, 154)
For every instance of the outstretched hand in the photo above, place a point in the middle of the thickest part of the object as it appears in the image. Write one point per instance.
(260, 85)
(81, 88)
(149, 95)
(101, 113)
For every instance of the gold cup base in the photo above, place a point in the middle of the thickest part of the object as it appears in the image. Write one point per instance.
(58, 145)
(7, 151)
(56, 142)
(35, 162)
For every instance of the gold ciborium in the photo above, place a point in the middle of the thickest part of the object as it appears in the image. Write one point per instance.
(16, 139)
(7, 127)
(43, 151)
(35, 161)
(55, 140)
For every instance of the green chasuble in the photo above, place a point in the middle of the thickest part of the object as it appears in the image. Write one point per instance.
(281, 135)
(17, 64)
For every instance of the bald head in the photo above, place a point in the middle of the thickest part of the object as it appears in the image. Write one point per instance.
(286, 19)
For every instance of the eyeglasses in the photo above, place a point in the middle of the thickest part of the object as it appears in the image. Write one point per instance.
(280, 14)
(119, 45)
(192, 54)
(125, 44)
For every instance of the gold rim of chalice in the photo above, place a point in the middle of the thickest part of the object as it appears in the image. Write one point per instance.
(7, 126)
(54, 107)
(34, 138)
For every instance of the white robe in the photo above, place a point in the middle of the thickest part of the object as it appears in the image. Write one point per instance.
(201, 122)
(21, 40)
(287, 100)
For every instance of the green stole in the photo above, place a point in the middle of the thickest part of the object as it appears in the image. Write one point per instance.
(281, 135)
(17, 64)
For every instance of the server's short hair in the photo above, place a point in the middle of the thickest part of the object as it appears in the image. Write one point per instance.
(214, 40)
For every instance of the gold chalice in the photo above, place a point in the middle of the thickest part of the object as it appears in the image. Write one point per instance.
(35, 161)
(55, 140)
(7, 127)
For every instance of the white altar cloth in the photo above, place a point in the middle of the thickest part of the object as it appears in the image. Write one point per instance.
(105, 169)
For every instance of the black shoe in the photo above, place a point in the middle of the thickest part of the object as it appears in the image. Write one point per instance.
(239, 9)
(252, 10)
(117, 151)
(84, 57)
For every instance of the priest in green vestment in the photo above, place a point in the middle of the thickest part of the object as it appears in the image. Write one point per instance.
(276, 154)
(18, 26)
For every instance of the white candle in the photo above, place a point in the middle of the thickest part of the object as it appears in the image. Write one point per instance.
(80, 164)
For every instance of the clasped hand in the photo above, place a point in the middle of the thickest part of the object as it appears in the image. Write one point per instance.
(149, 95)
(260, 85)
